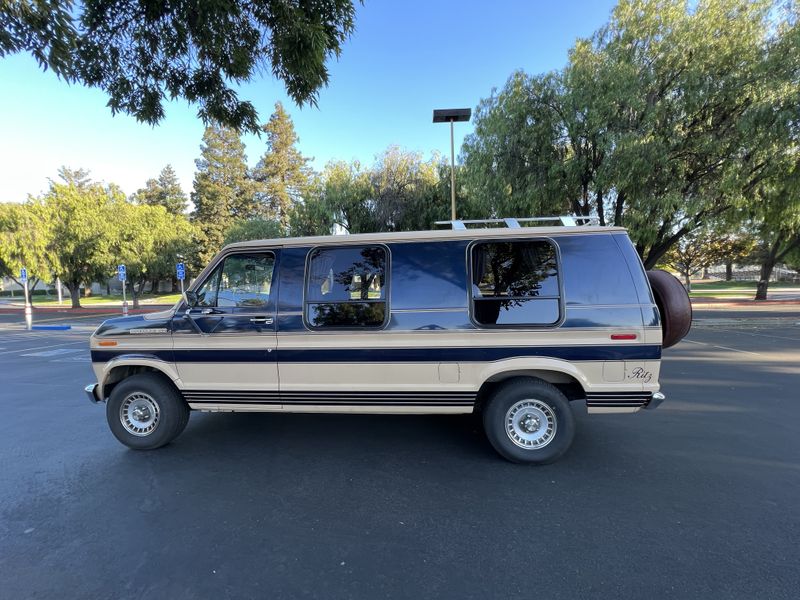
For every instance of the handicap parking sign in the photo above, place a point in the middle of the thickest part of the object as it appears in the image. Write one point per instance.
(23, 275)
(180, 271)
(121, 272)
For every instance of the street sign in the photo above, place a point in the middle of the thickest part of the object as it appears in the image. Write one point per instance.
(121, 272)
(23, 275)
(180, 271)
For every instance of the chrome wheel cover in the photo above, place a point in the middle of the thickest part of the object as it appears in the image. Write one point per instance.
(531, 424)
(139, 414)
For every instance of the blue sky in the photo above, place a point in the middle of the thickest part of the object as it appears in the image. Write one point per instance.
(405, 59)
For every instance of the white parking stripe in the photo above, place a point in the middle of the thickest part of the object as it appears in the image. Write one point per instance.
(42, 347)
(722, 347)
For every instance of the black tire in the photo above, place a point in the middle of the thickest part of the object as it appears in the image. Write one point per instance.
(529, 396)
(673, 305)
(150, 390)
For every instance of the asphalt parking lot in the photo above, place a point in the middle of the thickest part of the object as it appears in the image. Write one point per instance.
(697, 499)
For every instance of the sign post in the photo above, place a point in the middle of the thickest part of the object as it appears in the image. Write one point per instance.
(23, 277)
(58, 287)
(180, 272)
(122, 275)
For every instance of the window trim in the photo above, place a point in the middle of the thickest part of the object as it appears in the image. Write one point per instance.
(524, 326)
(386, 286)
(219, 262)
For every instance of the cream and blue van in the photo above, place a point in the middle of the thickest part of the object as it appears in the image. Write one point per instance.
(514, 323)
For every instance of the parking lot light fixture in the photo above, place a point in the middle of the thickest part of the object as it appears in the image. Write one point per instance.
(451, 115)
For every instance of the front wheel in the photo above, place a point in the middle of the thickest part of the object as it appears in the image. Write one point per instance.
(529, 421)
(146, 412)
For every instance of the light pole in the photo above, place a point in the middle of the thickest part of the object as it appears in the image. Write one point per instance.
(451, 115)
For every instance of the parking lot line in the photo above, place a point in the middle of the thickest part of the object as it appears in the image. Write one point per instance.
(766, 335)
(43, 347)
(722, 347)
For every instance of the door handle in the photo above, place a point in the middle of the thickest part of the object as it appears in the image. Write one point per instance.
(261, 320)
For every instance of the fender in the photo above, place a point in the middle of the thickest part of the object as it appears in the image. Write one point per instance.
(136, 360)
(498, 369)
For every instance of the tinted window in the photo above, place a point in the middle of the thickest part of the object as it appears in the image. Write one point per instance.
(515, 283)
(243, 280)
(595, 271)
(346, 287)
(429, 275)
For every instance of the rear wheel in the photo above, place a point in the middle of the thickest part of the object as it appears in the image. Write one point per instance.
(146, 412)
(529, 421)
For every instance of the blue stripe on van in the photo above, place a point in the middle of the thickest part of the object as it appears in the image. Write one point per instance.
(389, 355)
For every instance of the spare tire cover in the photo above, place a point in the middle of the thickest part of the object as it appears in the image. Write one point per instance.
(673, 304)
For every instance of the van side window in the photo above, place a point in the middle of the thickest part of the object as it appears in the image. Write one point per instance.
(515, 283)
(346, 287)
(242, 281)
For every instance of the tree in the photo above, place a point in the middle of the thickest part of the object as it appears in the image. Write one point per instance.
(700, 249)
(84, 225)
(223, 192)
(165, 191)
(24, 233)
(777, 219)
(253, 229)
(145, 52)
(663, 121)
(282, 174)
(400, 192)
(148, 244)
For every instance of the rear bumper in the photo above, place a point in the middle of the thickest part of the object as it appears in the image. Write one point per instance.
(655, 400)
(622, 402)
(91, 391)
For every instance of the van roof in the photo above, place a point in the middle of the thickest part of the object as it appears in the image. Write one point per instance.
(430, 235)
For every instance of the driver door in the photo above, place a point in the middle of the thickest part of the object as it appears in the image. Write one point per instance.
(225, 346)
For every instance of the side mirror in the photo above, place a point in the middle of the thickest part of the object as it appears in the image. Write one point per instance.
(191, 298)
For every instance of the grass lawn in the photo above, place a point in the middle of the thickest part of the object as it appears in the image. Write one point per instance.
(738, 285)
(107, 300)
(734, 290)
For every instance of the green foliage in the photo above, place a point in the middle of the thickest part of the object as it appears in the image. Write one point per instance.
(165, 191)
(703, 248)
(664, 120)
(24, 232)
(145, 52)
(223, 191)
(83, 230)
(400, 192)
(282, 175)
(776, 216)
(148, 243)
(253, 229)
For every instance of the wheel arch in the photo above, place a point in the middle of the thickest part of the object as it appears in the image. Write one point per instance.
(119, 369)
(570, 382)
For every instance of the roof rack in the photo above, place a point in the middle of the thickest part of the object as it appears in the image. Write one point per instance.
(516, 223)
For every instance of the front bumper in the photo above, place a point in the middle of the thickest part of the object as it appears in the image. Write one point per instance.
(91, 391)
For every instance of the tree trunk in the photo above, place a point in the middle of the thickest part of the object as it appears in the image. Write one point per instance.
(766, 273)
(135, 293)
(688, 281)
(74, 288)
(30, 292)
(705, 273)
(728, 271)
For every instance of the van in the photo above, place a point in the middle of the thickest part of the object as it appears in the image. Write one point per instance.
(513, 322)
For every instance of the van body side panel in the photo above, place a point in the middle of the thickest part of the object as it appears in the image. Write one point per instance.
(430, 334)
